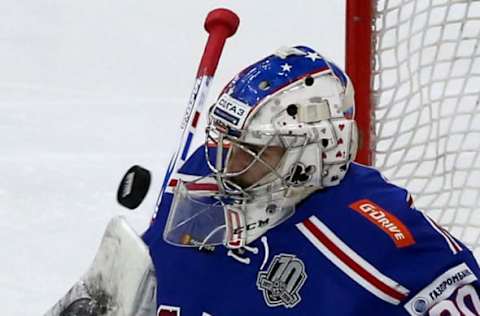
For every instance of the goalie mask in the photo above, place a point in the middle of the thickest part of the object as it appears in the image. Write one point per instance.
(281, 129)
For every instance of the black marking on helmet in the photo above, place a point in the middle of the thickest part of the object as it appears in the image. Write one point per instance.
(310, 169)
(309, 81)
(226, 116)
(271, 209)
(325, 142)
(299, 174)
(292, 109)
(234, 132)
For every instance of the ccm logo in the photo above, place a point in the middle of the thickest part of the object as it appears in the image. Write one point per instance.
(391, 225)
(251, 226)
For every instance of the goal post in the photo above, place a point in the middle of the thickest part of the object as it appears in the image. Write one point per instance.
(358, 65)
(415, 65)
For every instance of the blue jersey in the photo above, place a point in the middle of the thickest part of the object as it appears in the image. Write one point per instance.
(358, 248)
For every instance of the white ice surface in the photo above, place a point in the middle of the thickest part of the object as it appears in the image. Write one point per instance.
(88, 88)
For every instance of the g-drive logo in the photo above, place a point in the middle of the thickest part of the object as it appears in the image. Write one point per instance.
(231, 111)
(386, 221)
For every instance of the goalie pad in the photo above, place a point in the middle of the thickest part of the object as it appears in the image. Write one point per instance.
(120, 282)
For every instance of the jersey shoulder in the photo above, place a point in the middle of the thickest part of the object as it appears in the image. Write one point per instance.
(370, 230)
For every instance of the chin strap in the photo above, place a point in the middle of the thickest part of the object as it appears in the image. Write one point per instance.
(240, 254)
(236, 254)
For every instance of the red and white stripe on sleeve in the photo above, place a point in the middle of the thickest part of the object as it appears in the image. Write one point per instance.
(452, 243)
(351, 263)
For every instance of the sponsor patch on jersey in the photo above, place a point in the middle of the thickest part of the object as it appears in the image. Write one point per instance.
(282, 281)
(386, 221)
(440, 289)
(231, 111)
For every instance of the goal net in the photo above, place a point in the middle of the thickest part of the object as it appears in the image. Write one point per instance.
(419, 104)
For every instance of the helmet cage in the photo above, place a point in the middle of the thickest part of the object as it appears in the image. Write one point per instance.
(224, 140)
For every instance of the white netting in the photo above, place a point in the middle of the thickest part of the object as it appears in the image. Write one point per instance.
(427, 107)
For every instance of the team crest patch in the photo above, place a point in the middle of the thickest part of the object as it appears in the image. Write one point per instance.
(282, 281)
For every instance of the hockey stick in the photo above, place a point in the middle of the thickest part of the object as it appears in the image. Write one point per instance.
(121, 280)
(220, 24)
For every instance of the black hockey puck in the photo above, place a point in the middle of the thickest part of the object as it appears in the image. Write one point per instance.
(134, 187)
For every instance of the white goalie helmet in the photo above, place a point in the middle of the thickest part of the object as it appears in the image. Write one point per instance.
(294, 104)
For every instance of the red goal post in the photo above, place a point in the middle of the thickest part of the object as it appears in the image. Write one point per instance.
(415, 66)
(358, 46)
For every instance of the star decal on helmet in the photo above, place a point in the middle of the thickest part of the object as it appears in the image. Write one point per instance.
(313, 56)
(286, 67)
